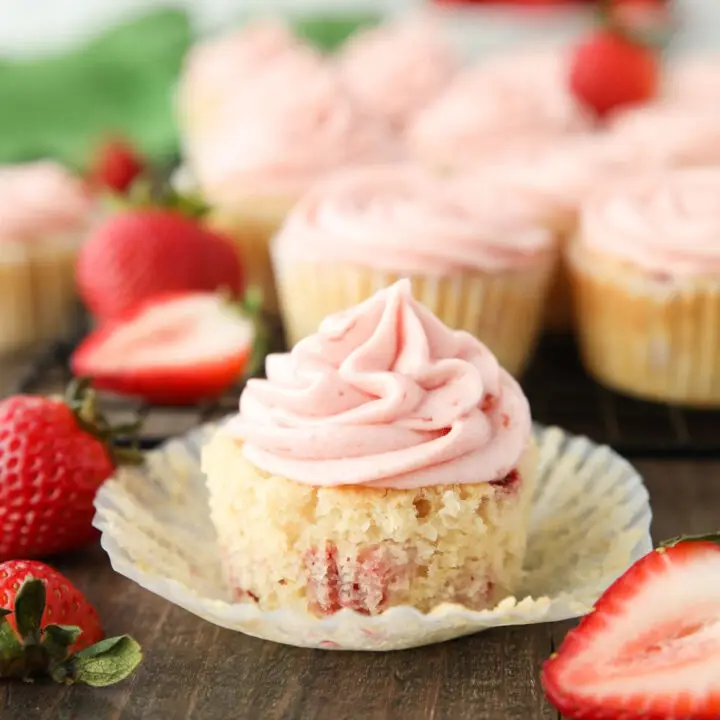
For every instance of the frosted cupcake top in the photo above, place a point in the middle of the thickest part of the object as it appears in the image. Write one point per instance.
(219, 66)
(670, 135)
(667, 223)
(693, 82)
(40, 199)
(294, 123)
(400, 219)
(513, 97)
(396, 70)
(385, 395)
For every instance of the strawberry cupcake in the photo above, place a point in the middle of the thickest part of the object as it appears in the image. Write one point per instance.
(519, 99)
(547, 183)
(293, 124)
(693, 82)
(395, 70)
(44, 214)
(387, 460)
(481, 268)
(670, 135)
(646, 276)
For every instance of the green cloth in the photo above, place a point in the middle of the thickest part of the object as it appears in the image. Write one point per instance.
(121, 82)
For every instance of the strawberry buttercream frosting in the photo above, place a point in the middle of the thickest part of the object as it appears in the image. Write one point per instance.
(523, 98)
(667, 223)
(40, 199)
(693, 82)
(292, 125)
(670, 135)
(395, 70)
(399, 218)
(384, 395)
(219, 66)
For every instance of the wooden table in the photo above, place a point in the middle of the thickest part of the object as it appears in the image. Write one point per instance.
(193, 669)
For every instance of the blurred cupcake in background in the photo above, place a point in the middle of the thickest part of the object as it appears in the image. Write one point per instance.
(670, 135)
(693, 82)
(45, 213)
(292, 125)
(219, 67)
(396, 70)
(646, 276)
(547, 183)
(483, 269)
(520, 98)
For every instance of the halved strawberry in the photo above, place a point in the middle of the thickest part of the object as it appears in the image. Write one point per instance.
(175, 349)
(651, 648)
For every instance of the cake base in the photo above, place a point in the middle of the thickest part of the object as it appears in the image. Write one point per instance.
(321, 549)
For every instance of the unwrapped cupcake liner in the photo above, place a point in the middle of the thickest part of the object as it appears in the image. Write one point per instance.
(590, 522)
(504, 310)
(645, 336)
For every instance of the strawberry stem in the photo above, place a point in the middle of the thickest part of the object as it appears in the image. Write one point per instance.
(250, 307)
(35, 651)
(82, 401)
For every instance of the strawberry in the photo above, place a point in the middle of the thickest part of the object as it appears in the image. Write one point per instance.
(116, 166)
(141, 252)
(54, 455)
(610, 70)
(650, 648)
(47, 627)
(176, 349)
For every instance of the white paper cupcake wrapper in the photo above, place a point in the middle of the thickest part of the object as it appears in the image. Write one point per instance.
(590, 522)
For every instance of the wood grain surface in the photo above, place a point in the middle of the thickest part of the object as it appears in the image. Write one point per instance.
(194, 670)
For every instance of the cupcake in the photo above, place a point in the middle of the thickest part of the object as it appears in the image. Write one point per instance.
(387, 460)
(693, 82)
(547, 183)
(395, 70)
(44, 214)
(482, 269)
(221, 66)
(292, 125)
(522, 99)
(670, 135)
(646, 277)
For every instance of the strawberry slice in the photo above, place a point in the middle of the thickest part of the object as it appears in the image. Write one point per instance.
(651, 648)
(175, 349)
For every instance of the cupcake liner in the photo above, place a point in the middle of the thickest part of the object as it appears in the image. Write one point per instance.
(251, 227)
(504, 310)
(647, 337)
(590, 521)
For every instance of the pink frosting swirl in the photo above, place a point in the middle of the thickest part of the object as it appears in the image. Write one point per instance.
(667, 223)
(221, 65)
(385, 395)
(670, 135)
(292, 125)
(693, 82)
(396, 70)
(38, 199)
(401, 219)
(525, 97)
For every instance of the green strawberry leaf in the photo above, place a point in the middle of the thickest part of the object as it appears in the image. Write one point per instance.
(105, 663)
(329, 33)
(10, 646)
(119, 83)
(29, 609)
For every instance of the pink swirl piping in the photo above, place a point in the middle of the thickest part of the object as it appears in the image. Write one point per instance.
(385, 396)
(667, 223)
(400, 219)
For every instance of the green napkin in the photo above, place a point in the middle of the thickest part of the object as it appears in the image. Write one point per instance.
(121, 82)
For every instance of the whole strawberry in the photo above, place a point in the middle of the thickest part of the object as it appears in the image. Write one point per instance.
(54, 455)
(142, 252)
(115, 166)
(610, 70)
(48, 628)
